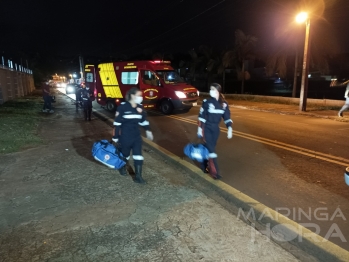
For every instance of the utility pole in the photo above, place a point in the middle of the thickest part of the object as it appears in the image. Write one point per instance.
(305, 69)
(81, 61)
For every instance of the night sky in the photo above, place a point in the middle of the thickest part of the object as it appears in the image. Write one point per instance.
(99, 28)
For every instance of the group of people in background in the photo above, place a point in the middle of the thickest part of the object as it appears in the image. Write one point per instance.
(84, 97)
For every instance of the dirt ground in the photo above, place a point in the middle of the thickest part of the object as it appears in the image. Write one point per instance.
(58, 204)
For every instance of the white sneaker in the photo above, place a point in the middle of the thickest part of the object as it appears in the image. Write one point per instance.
(51, 111)
(45, 110)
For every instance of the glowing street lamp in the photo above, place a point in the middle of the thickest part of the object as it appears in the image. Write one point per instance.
(303, 18)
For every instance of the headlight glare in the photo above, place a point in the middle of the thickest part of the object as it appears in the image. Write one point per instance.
(180, 94)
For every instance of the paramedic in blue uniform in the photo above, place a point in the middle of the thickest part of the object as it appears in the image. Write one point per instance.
(87, 97)
(211, 112)
(129, 116)
(78, 99)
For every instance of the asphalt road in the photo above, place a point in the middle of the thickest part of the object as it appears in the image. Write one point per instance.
(292, 164)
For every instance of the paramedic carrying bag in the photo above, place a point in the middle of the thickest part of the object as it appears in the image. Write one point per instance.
(108, 154)
(197, 152)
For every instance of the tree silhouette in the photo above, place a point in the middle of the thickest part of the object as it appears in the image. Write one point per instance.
(242, 51)
(288, 42)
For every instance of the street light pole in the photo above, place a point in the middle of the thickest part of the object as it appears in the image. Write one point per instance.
(305, 70)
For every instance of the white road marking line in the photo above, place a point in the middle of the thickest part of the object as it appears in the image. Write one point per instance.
(294, 122)
(296, 149)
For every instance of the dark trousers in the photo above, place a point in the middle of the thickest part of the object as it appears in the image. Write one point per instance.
(211, 134)
(78, 102)
(47, 103)
(134, 144)
(87, 109)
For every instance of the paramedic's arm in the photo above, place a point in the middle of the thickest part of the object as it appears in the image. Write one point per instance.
(226, 116)
(145, 124)
(227, 121)
(117, 124)
(203, 113)
(202, 117)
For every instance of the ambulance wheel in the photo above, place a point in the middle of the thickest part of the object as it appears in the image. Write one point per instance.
(166, 107)
(111, 106)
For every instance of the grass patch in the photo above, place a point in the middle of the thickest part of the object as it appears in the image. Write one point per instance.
(19, 122)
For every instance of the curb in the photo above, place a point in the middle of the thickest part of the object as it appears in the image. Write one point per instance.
(283, 228)
(321, 249)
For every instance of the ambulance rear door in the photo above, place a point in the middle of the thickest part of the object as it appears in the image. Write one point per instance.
(90, 78)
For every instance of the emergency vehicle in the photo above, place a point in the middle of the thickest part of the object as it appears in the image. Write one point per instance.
(161, 85)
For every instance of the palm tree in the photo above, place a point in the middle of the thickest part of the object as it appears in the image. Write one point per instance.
(212, 61)
(288, 46)
(244, 50)
(291, 42)
(195, 62)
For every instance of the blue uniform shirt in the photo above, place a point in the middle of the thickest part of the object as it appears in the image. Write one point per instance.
(212, 111)
(128, 119)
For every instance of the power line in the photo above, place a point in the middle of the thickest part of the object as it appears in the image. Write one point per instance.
(174, 27)
(171, 5)
(197, 31)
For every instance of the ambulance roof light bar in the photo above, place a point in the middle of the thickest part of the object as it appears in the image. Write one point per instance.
(158, 62)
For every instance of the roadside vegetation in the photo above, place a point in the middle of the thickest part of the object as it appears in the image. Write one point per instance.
(19, 123)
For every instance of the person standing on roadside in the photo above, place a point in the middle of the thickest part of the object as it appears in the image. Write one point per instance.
(128, 117)
(87, 96)
(211, 112)
(47, 108)
(346, 105)
(78, 99)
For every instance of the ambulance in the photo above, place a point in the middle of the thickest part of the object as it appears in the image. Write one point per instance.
(161, 85)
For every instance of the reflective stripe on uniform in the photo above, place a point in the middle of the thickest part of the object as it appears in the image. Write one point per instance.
(138, 157)
(144, 123)
(128, 157)
(212, 155)
(132, 116)
(227, 121)
(117, 124)
(216, 111)
(202, 119)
